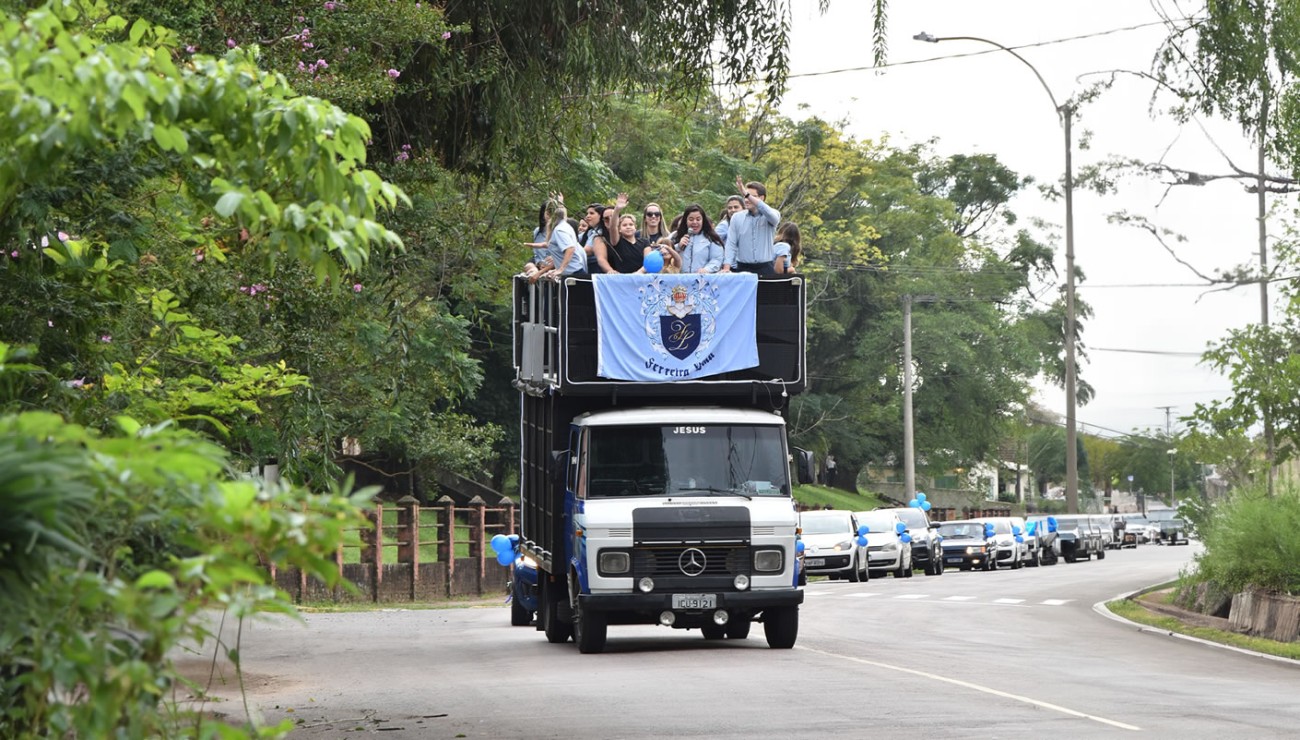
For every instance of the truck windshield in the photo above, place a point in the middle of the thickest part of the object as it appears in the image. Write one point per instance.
(686, 460)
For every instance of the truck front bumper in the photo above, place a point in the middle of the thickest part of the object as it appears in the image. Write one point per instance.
(658, 602)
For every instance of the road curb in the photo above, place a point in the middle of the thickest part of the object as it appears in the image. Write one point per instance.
(1100, 608)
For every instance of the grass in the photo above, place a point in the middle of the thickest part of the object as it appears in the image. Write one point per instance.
(1134, 611)
(816, 496)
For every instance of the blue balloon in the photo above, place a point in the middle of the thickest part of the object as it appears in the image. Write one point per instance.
(500, 544)
(1015, 529)
(863, 529)
(506, 558)
(654, 262)
(988, 530)
(798, 546)
(514, 540)
(1051, 524)
(862, 540)
(920, 496)
(925, 506)
(905, 539)
(1020, 538)
(914, 503)
(899, 527)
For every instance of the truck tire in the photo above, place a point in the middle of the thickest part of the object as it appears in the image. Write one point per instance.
(781, 627)
(519, 616)
(738, 629)
(589, 630)
(557, 630)
(1101, 554)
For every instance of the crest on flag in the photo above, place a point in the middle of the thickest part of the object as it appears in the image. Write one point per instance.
(679, 316)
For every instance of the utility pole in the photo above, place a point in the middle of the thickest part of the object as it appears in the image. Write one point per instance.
(1169, 433)
(909, 455)
(1269, 443)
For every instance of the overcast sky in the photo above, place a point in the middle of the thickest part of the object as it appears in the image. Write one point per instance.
(991, 103)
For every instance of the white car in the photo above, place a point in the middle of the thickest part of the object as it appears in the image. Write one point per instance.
(1007, 553)
(830, 545)
(886, 551)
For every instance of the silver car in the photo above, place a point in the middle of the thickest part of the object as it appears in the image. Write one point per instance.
(886, 551)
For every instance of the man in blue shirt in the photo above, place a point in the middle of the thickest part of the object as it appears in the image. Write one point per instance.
(750, 235)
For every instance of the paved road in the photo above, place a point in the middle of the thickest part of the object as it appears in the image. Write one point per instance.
(1009, 653)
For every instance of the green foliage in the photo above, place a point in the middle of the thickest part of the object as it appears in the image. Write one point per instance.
(817, 496)
(143, 535)
(284, 170)
(1250, 541)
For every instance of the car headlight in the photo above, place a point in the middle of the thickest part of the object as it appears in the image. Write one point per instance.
(845, 545)
(769, 561)
(614, 562)
(890, 547)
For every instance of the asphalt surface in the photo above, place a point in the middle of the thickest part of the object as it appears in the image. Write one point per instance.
(1003, 654)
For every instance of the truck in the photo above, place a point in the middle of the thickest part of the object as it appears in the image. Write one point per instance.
(664, 501)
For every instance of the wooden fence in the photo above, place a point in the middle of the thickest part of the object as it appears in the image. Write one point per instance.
(415, 553)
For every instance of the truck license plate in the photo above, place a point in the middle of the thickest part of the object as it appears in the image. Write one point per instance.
(954, 559)
(695, 601)
(813, 562)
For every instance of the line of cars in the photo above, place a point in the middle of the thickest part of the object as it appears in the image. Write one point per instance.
(861, 545)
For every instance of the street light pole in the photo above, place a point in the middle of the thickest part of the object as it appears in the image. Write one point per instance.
(1066, 113)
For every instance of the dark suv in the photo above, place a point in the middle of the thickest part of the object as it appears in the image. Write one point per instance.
(926, 551)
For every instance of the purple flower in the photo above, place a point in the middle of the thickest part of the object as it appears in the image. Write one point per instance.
(14, 254)
(446, 35)
(394, 73)
(322, 64)
(189, 49)
(331, 5)
(106, 338)
(75, 383)
(356, 287)
(230, 44)
(49, 323)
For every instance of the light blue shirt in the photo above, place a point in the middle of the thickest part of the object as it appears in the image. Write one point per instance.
(721, 227)
(562, 240)
(701, 253)
(539, 253)
(750, 235)
(781, 249)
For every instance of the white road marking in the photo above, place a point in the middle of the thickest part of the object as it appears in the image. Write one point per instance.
(1008, 601)
(976, 687)
(912, 596)
(862, 595)
(958, 598)
(1055, 602)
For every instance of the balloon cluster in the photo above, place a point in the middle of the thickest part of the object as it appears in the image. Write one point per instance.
(988, 530)
(1015, 529)
(1051, 524)
(901, 529)
(506, 547)
(862, 535)
(919, 502)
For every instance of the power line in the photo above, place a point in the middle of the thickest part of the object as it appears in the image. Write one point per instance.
(1163, 353)
(872, 67)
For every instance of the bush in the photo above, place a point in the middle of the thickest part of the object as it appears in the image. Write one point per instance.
(1252, 540)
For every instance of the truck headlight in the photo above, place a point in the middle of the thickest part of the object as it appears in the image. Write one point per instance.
(614, 562)
(769, 561)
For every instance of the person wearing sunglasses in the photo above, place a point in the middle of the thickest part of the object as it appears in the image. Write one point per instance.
(654, 228)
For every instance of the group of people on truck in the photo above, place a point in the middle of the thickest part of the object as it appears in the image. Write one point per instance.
(748, 236)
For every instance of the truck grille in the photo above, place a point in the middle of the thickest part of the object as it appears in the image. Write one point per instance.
(674, 567)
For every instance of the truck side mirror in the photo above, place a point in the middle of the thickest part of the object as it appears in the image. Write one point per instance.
(804, 465)
(559, 466)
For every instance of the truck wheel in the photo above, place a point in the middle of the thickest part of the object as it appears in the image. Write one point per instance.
(519, 616)
(738, 629)
(589, 630)
(713, 631)
(556, 629)
(781, 627)
(1101, 554)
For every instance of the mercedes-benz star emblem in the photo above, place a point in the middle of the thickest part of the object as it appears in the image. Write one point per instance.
(692, 561)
